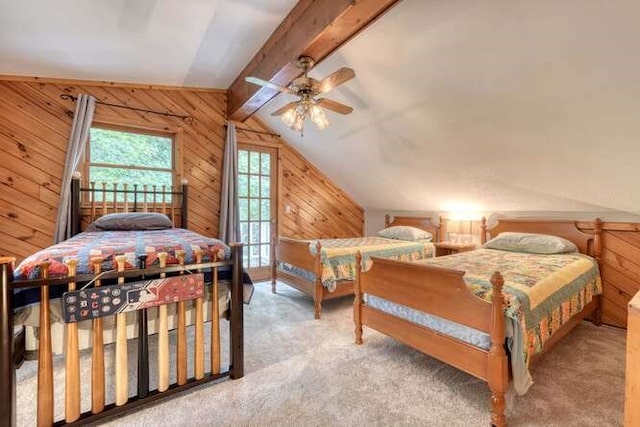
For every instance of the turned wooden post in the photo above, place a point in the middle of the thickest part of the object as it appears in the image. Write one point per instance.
(122, 370)
(483, 232)
(45, 356)
(72, 360)
(357, 300)
(163, 334)
(497, 364)
(97, 352)
(181, 350)
(387, 220)
(317, 295)
(198, 348)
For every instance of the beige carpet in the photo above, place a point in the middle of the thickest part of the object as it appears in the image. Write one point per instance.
(300, 371)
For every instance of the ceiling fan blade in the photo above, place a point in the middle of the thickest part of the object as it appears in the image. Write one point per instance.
(282, 110)
(336, 78)
(338, 107)
(260, 82)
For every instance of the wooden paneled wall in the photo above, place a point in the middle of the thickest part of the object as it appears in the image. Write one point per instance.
(34, 130)
(317, 207)
(35, 127)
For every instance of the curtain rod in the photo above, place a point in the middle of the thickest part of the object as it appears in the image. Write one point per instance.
(187, 119)
(257, 131)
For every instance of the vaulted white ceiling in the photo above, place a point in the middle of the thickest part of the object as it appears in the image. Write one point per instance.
(173, 42)
(485, 105)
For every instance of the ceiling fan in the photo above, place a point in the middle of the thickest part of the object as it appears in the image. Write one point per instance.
(307, 88)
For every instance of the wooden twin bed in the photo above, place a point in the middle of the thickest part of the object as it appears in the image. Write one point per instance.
(174, 276)
(307, 272)
(444, 293)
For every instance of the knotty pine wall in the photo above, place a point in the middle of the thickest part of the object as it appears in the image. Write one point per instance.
(35, 125)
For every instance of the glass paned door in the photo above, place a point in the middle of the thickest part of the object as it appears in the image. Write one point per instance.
(256, 190)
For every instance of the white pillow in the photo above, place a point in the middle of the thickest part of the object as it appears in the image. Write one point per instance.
(531, 243)
(405, 232)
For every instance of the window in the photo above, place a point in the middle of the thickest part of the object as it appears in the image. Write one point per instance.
(129, 156)
(256, 194)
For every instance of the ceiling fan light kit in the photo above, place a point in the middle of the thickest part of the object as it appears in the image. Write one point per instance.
(306, 88)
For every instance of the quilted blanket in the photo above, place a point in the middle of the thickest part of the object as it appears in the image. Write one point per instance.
(108, 244)
(338, 256)
(543, 292)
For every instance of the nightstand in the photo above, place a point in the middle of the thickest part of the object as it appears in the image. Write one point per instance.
(448, 248)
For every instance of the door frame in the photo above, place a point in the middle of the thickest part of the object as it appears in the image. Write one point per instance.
(264, 272)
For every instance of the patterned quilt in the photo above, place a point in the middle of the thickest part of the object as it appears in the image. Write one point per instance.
(338, 256)
(543, 293)
(107, 244)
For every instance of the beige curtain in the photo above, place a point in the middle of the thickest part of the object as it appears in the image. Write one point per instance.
(85, 106)
(229, 210)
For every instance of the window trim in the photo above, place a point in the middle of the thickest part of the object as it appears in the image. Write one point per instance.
(172, 132)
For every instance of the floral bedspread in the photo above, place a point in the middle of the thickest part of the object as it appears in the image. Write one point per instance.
(543, 293)
(338, 256)
(107, 244)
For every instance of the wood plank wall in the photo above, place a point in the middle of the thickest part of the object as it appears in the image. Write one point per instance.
(317, 207)
(35, 126)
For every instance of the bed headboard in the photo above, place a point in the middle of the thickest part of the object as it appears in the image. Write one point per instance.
(91, 202)
(423, 223)
(587, 243)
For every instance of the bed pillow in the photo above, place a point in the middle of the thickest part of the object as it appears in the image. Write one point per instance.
(531, 243)
(131, 221)
(405, 232)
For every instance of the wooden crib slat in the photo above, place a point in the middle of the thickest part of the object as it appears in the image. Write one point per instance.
(72, 359)
(45, 356)
(163, 336)
(215, 323)
(181, 353)
(198, 349)
(97, 353)
(122, 372)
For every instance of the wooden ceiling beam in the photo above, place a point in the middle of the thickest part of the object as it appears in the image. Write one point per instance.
(313, 27)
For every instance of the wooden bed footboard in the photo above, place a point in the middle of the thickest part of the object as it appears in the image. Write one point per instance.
(444, 293)
(297, 253)
(441, 292)
(124, 402)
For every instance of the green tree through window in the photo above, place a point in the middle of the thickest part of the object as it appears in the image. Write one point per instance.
(120, 157)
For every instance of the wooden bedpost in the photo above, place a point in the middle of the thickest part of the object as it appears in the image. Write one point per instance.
(442, 228)
(497, 367)
(386, 221)
(597, 254)
(7, 367)
(483, 231)
(357, 300)
(45, 356)
(317, 295)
